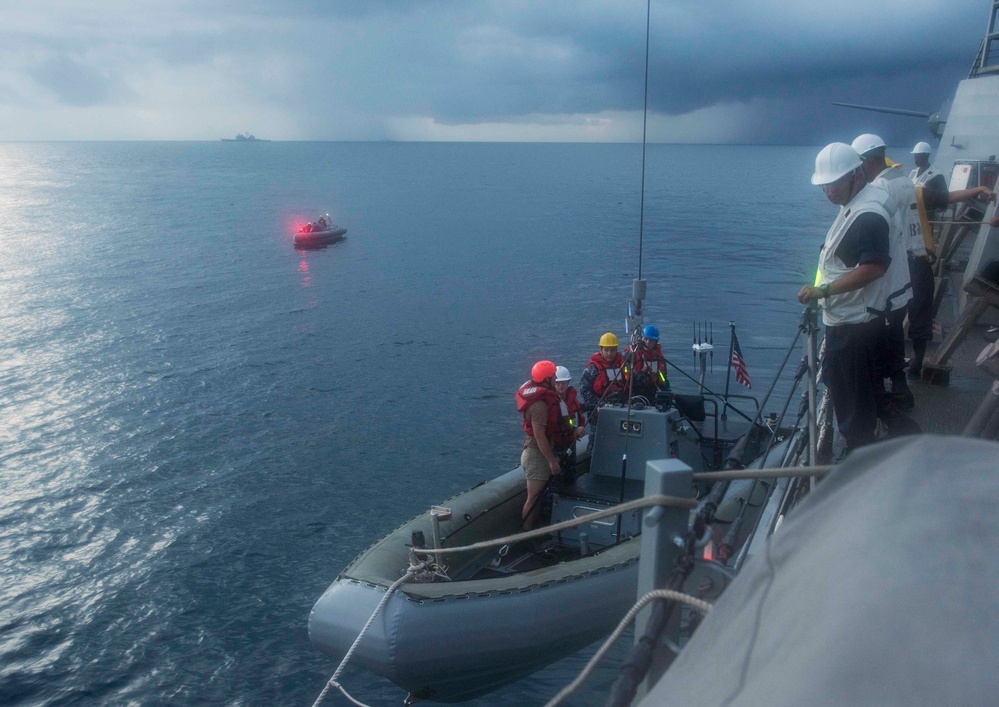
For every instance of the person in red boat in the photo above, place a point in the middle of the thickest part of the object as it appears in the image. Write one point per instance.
(602, 378)
(541, 409)
(649, 365)
(574, 410)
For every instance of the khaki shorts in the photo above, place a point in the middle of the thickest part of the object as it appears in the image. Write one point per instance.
(535, 465)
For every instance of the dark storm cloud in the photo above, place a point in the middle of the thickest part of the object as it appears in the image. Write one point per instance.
(720, 53)
(349, 69)
(467, 63)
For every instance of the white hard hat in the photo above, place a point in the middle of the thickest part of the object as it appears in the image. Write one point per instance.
(562, 374)
(867, 143)
(922, 148)
(834, 161)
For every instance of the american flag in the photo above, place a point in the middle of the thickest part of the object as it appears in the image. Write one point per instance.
(741, 374)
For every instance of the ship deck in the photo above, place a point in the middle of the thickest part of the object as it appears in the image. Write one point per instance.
(947, 409)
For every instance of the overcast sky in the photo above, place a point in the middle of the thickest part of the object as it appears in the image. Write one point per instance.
(723, 71)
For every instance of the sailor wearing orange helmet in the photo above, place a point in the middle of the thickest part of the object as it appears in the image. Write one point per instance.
(542, 410)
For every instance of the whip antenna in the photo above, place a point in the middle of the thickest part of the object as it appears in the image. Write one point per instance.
(645, 123)
(633, 323)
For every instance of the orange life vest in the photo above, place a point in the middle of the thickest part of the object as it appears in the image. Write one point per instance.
(530, 393)
(654, 356)
(607, 373)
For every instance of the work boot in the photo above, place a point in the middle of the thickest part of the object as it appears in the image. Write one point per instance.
(900, 393)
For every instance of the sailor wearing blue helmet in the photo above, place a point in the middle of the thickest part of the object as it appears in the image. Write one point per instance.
(649, 365)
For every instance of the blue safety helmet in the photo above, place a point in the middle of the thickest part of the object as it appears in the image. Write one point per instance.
(650, 332)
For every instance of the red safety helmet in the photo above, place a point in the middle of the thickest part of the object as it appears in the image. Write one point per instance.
(542, 370)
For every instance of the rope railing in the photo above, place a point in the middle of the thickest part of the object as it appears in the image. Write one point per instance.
(637, 504)
(644, 502)
(777, 473)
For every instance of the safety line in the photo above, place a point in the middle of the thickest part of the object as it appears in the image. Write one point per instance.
(332, 682)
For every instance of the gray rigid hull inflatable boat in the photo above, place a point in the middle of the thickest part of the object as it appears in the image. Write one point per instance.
(503, 613)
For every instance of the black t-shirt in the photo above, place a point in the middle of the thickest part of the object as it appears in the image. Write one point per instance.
(935, 193)
(865, 242)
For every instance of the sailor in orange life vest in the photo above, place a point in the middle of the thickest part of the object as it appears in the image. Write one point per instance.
(573, 413)
(602, 378)
(649, 365)
(541, 407)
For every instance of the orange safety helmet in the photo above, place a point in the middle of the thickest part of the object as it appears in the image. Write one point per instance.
(542, 370)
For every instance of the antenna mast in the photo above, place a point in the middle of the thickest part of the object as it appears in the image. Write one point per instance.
(638, 285)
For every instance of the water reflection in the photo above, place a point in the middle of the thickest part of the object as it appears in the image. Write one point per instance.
(303, 270)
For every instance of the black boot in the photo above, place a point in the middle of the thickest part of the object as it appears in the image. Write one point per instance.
(918, 352)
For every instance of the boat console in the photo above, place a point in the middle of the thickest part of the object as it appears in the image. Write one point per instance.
(624, 441)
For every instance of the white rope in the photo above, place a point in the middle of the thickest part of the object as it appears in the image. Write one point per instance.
(752, 474)
(668, 594)
(413, 569)
(645, 502)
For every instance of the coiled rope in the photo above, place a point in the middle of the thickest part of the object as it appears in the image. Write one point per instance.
(667, 594)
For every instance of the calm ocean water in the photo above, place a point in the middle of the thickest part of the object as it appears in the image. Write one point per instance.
(200, 426)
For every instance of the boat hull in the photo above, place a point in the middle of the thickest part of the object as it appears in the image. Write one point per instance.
(504, 613)
(326, 237)
(483, 635)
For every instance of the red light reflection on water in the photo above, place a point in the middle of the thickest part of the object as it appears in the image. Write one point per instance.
(303, 270)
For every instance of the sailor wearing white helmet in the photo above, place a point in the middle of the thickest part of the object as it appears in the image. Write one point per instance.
(932, 196)
(571, 424)
(851, 288)
(574, 411)
(923, 174)
(880, 173)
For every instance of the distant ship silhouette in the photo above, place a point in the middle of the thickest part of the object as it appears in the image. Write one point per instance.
(244, 137)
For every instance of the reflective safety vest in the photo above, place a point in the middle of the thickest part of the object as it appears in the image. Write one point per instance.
(607, 373)
(868, 302)
(530, 393)
(902, 198)
(920, 179)
(573, 409)
(920, 231)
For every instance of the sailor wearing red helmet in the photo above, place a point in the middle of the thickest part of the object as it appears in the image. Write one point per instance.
(542, 410)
